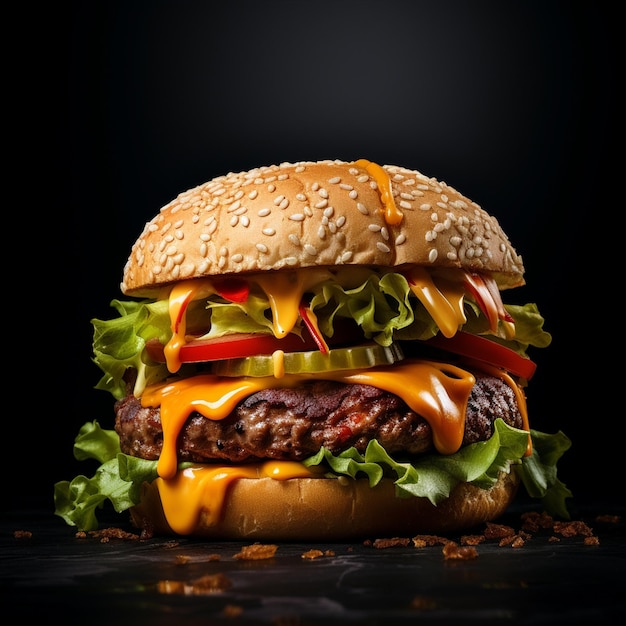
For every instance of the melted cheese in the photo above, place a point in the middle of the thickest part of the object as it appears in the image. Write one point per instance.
(393, 215)
(203, 489)
(436, 391)
(519, 396)
(444, 305)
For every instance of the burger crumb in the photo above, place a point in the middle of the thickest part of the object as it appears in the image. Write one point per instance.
(22, 534)
(182, 559)
(472, 540)
(423, 603)
(393, 542)
(171, 544)
(423, 541)
(591, 541)
(607, 519)
(256, 552)
(515, 541)
(106, 534)
(452, 550)
(573, 528)
(214, 556)
(316, 554)
(208, 584)
(232, 610)
(498, 531)
(533, 521)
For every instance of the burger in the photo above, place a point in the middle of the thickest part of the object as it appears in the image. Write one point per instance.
(316, 351)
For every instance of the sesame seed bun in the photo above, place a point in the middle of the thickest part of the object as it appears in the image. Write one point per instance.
(320, 509)
(315, 214)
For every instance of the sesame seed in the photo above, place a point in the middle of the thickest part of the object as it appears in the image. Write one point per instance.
(261, 248)
(362, 208)
(297, 217)
(237, 258)
(432, 255)
(346, 256)
(269, 231)
(321, 204)
(294, 239)
(383, 247)
(334, 180)
(310, 250)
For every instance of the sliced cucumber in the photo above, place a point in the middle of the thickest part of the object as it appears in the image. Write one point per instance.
(355, 357)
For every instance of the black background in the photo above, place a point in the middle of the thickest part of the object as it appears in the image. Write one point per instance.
(513, 103)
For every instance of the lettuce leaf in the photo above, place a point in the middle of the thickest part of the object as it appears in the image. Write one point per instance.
(382, 305)
(119, 478)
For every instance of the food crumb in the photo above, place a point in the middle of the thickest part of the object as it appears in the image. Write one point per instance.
(182, 559)
(393, 542)
(232, 610)
(256, 552)
(472, 540)
(316, 554)
(106, 534)
(22, 534)
(452, 550)
(423, 603)
(498, 531)
(422, 541)
(209, 584)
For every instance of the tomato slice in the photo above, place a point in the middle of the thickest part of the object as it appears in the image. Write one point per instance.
(483, 349)
(241, 345)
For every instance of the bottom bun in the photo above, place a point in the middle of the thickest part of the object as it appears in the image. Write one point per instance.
(321, 509)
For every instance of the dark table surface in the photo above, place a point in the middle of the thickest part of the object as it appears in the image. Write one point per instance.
(48, 572)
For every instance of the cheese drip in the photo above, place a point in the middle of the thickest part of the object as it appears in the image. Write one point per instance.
(496, 372)
(436, 391)
(203, 488)
(284, 292)
(393, 215)
(444, 304)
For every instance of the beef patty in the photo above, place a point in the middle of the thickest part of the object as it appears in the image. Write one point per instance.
(293, 423)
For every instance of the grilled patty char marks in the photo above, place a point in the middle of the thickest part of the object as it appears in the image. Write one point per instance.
(293, 423)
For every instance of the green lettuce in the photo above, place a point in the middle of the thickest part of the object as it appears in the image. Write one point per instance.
(383, 306)
(119, 477)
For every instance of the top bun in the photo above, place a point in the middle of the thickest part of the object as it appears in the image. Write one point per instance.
(316, 214)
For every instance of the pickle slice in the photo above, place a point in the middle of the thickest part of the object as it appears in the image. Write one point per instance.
(355, 357)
